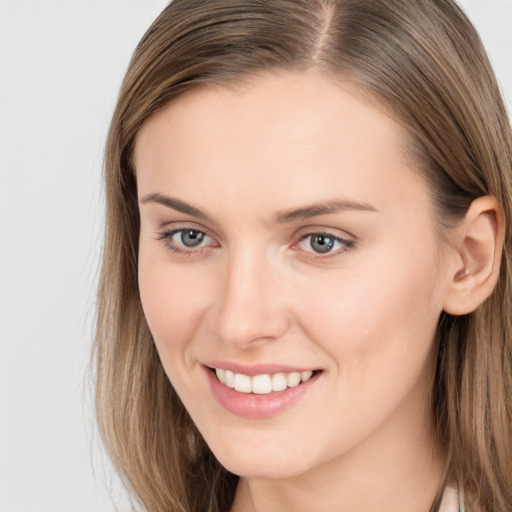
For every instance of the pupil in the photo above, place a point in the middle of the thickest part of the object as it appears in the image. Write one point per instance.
(322, 244)
(192, 238)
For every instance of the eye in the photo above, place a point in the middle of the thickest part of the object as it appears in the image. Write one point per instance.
(185, 240)
(189, 237)
(324, 243)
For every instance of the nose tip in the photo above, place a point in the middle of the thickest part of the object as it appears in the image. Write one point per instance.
(249, 327)
(250, 310)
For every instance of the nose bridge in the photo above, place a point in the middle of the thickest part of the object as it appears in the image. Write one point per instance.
(250, 308)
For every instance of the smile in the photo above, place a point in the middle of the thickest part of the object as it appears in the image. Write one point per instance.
(265, 393)
(261, 384)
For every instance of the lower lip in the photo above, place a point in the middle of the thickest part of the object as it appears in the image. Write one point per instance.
(254, 406)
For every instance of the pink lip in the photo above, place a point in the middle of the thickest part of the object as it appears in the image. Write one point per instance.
(249, 405)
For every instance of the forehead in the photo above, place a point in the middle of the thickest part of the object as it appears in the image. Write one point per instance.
(296, 132)
(295, 105)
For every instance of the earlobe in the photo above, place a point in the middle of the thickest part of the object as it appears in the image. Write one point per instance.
(475, 269)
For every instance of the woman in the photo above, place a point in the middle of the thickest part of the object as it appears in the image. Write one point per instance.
(305, 295)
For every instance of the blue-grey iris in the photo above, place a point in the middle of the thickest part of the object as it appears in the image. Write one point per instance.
(322, 243)
(191, 237)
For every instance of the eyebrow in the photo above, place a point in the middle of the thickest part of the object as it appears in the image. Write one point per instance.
(282, 217)
(174, 204)
(323, 208)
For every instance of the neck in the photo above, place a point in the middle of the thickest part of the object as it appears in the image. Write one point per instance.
(395, 469)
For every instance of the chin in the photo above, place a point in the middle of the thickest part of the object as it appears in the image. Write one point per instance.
(256, 461)
(248, 468)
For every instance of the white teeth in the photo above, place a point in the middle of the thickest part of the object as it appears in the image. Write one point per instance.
(279, 382)
(230, 379)
(293, 379)
(243, 383)
(306, 376)
(261, 384)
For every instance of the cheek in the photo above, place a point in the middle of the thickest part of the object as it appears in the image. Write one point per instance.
(174, 299)
(388, 311)
(378, 329)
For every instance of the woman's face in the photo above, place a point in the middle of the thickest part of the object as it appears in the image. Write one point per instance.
(283, 232)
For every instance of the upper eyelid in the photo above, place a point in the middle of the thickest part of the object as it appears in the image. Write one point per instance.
(171, 232)
(346, 241)
(318, 230)
(324, 233)
(176, 227)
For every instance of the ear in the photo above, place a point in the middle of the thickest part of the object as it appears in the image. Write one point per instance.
(475, 265)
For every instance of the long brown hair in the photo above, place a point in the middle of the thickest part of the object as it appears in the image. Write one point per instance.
(423, 62)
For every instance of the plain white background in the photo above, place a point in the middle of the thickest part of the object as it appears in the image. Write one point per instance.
(61, 63)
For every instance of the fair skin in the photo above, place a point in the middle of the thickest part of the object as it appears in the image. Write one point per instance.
(352, 291)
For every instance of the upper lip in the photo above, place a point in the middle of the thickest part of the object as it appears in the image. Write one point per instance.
(257, 369)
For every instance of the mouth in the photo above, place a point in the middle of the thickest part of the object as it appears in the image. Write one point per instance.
(262, 384)
(260, 391)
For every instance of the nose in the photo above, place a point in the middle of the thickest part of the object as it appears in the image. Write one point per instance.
(251, 309)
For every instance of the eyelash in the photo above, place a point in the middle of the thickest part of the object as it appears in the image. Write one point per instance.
(166, 237)
(344, 243)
